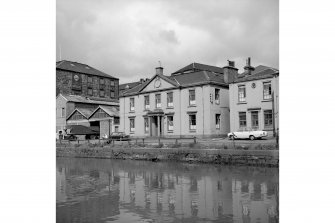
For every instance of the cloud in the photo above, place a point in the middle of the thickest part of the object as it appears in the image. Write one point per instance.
(126, 39)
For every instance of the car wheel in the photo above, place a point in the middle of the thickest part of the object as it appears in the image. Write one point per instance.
(251, 137)
(231, 137)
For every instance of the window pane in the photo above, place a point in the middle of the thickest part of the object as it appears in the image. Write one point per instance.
(241, 93)
(254, 119)
(243, 119)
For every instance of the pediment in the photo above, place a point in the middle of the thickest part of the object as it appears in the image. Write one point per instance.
(158, 83)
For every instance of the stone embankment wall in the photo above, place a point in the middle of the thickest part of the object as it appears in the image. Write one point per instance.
(182, 154)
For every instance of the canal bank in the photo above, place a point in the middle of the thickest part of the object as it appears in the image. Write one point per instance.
(256, 155)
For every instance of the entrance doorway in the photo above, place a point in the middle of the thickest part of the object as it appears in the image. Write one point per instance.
(156, 126)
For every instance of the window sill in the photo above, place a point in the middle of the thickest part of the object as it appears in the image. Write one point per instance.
(267, 100)
(131, 111)
(190, 106)
(170, 107)
(268, 129)
(170, 131)
(193, 130)
(131, 132)
(241, 103)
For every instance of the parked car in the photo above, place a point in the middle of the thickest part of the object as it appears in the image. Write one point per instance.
(120, 136)
(247, 134)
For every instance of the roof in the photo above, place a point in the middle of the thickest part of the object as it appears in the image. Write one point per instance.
(110, 110)
(131, 85)
(260, 72)
(80, 68)
(86, 112)
(81, 130)
(183, 80)
(199, 67)
(87, 100)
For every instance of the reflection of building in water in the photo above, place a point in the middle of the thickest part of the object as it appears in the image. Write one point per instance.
(87, 193)
(251, 201)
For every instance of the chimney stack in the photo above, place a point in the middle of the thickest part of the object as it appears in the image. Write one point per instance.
(229, 72)
(248, 68)
(159, 70)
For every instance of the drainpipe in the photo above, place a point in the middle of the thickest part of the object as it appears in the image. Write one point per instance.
(273, 115)
(203, 113)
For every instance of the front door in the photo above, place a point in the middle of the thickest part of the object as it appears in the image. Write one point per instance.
(156, 126)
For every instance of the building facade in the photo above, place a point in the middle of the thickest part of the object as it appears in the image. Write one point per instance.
(74, 78)
(79, 110)
(193, 101)
(81, 91)
(254, 99)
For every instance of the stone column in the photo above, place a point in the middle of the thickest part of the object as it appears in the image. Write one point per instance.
(159, 125)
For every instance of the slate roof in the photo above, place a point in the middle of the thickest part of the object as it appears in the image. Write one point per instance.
(80, 68)
(110, 110)
(260, 72)
(183, 80)
(122, 87)
(199, 67)
(86, 100)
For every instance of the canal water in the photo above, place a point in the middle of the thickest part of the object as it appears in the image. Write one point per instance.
(101, 190)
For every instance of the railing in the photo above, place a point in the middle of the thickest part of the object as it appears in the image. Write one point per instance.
(134, 141)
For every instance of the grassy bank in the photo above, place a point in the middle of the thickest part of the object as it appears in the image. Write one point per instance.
(253, 154)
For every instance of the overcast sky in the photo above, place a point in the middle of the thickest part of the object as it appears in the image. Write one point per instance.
(126, 39)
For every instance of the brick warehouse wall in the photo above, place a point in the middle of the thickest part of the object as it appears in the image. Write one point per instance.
(64, 84)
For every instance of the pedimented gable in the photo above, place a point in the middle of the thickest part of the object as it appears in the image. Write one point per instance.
(158, 83)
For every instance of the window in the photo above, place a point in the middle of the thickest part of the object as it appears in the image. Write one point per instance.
(267, 91)
(102, 81)
(170, 123)
(132, 104)
(102, 93)
(116, 128)
(193, 121)
(241, 93)
(192, 97)
(112, 94)
(217, 121)
(217, 96)
(90, 80)
(243, 119)
(170, 99)
(116, 121)
(132, 124)
(63, 113)
(112, 83)
(254, 119)
(90, 91)
(146, 102)
(146, 125)
(268, 119)
(158, 101)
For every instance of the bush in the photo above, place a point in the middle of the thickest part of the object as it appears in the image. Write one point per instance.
(225, 147)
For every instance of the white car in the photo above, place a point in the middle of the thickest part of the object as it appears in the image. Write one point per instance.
(247, 134)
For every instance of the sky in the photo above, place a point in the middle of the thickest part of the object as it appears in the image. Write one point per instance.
(127, 38)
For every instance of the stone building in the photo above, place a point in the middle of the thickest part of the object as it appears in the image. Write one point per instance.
(193, 101)
(254, 98)
(74, 78)
(81, 91)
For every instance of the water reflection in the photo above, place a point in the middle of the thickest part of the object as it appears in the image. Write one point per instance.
(93, 190)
